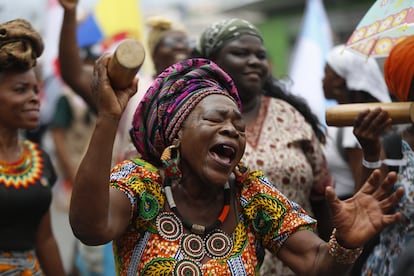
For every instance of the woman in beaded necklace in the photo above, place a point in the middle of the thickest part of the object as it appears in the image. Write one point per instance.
(27, 243)
(189, 207)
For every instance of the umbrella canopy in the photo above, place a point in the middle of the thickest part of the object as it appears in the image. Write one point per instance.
(385, 24)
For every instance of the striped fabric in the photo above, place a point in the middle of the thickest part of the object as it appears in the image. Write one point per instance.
(169, 100)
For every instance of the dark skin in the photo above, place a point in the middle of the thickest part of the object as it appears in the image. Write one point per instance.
(104, 216)
(20, 107)
(74, 71)
(245, 60)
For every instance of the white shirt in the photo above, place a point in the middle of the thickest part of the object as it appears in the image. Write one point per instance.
(337, 166)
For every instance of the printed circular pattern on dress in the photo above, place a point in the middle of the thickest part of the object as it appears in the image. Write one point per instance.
(169, 226)
(193, 246)
(218, 244)
(187, 268)
(149, 206)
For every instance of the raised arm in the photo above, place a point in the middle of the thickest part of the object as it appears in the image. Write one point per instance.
(99, 214)
(74, 72)
(356, 221)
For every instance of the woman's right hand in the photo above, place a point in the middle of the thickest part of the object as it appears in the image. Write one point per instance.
(109, 102)
(69, 4)
(369, 126)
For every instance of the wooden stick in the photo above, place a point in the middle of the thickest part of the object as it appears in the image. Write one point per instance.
(345, 114)
(125, 63)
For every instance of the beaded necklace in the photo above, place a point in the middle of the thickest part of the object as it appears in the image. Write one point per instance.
(27, 170)
(193, 227)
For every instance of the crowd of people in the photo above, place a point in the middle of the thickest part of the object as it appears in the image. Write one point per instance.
(208, 166)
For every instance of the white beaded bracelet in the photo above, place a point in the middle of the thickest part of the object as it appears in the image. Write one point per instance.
(371, 165)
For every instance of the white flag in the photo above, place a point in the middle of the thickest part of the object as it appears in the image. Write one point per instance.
(307, 63)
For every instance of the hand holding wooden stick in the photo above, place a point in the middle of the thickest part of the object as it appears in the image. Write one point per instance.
(125, 63)
(345, 114)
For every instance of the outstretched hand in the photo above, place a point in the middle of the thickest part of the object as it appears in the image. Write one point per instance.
(109, 102)
(360, 218)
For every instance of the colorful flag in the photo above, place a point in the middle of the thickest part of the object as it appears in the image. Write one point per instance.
(308, 58)
(109, 22)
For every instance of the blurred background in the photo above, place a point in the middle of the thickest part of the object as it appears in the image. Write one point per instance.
(297, 33)
(279, 20)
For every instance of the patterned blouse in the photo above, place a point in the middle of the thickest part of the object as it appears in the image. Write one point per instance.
(394, 238)
(155, 243)
(283, 145)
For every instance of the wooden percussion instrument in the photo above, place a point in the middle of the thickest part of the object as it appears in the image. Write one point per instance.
(125, 63)
(345, 114)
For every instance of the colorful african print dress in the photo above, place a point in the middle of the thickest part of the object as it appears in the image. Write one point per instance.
(155, 243)
(395, 238)
(25, 196)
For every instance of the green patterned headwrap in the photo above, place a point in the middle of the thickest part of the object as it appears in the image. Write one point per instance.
(218, 34)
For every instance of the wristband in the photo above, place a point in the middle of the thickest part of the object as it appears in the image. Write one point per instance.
(341, 254)
(371, 165)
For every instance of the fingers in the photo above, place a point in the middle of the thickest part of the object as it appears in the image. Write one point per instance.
(360, 118)
(386, 186)
(109, 100)
(332, 199)
(390, 219)
(392, 200)
(125, 94)
(69, 4)
(372, 123)
(99, 71)
(372, 183)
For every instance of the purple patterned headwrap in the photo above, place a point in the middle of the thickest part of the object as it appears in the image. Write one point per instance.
(171, 98)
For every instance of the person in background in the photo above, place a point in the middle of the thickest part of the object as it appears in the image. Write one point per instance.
(36, 135)
(283, 136)
(77, 75)
(349, 78)
(168, 42)
(189, 206)
(369, 128)
(27, 243)
(71, 127)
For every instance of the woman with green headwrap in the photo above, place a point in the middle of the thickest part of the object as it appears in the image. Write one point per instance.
(27, 243)
(283, 136)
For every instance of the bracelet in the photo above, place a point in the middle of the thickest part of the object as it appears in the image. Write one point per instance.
(371, 165)
(341, 254)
